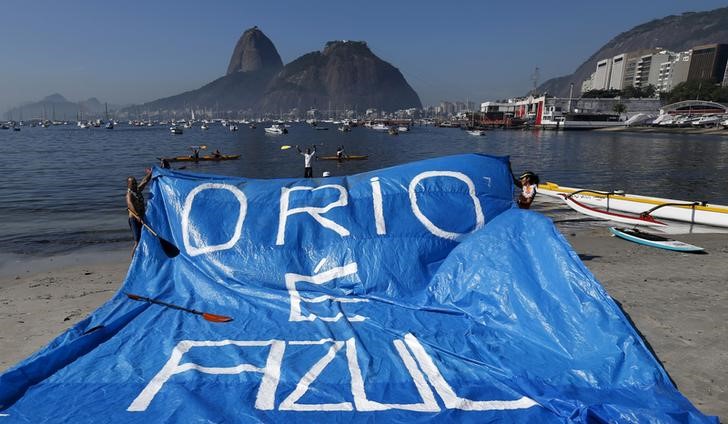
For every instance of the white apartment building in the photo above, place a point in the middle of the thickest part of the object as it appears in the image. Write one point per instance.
(648, 68)
(661, 68)
(617, 75)
(602, 75)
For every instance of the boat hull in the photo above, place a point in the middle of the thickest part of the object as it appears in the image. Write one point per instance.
(351, 157)
(610, 215)
(202, 158)
(653, 240)
(707, 214)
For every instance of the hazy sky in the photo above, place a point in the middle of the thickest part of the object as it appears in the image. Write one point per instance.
(137, 51)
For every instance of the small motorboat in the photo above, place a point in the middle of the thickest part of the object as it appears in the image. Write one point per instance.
(176, 130)
(276, 129)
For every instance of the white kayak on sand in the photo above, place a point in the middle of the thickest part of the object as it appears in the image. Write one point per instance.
(659, 208)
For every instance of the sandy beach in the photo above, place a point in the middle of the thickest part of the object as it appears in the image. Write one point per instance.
(677, 301)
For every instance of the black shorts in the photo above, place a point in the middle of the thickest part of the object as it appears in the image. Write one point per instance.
(136, 228)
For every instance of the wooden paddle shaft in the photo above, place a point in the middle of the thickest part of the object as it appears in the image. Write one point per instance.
(143, 223)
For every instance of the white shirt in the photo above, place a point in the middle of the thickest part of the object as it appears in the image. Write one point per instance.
(307, 159)
(529, 191)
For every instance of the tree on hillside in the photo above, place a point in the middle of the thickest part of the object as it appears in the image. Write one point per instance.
(631, 92)
(697, 90)
(601, 94)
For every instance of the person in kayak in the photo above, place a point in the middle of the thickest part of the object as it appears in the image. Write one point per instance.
(340, 155)
(195, 154)
(307, 157)
(527, 182)
(135, 205)
(216, 154)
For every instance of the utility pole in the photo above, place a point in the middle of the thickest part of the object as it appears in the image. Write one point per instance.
(571, 91)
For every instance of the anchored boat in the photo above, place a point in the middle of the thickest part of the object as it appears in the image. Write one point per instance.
(608, 203)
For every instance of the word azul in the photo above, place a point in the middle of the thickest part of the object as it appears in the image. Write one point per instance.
(417, 361)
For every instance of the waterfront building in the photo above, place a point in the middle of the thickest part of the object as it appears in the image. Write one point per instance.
(586, 85)
(533, 109)
(602, 75)
(634, 62)
(648, 68)
(448, 108)
(664, 77)
(617, 75)
(708, 62)
(680, 68)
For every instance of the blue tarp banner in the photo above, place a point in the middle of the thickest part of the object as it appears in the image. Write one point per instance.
(409, 294)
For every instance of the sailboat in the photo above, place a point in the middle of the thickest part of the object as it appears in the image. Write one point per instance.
(109, 123)
(471, 129)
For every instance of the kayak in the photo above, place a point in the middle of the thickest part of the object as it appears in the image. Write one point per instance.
(349, 157)
(653, 240)
(677, 210)
(647, 220)
(201, 158)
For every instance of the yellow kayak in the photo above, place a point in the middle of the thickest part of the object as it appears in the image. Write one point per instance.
(201, 158)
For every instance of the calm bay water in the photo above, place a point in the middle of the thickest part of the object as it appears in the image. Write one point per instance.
(63, 187)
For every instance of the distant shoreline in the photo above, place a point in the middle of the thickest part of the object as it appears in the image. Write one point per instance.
(667, 130)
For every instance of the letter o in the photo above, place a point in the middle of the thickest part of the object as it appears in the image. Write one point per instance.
(193, 250)
(431, 227)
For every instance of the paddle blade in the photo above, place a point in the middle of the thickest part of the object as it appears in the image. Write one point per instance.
(285, 147)
(216, 318)
(134, 296)
(169, 249)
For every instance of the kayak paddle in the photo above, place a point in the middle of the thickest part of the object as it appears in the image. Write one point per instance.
(208, 316)
(203, 147)
(169, 249)
(285, 147)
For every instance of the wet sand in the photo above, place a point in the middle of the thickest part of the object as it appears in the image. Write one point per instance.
(678, 301)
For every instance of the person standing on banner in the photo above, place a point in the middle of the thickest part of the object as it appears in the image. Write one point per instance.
(307, 157)
(135, 205)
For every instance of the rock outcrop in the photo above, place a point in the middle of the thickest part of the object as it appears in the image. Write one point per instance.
(57, 107)
(254, 52)
(345, 75)
(253, 64)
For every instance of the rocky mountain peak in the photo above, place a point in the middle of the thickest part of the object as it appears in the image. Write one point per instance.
(54, 98)
(341, 46)
(254, 51)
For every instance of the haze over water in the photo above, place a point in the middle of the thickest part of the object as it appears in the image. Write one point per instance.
(64, 187)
